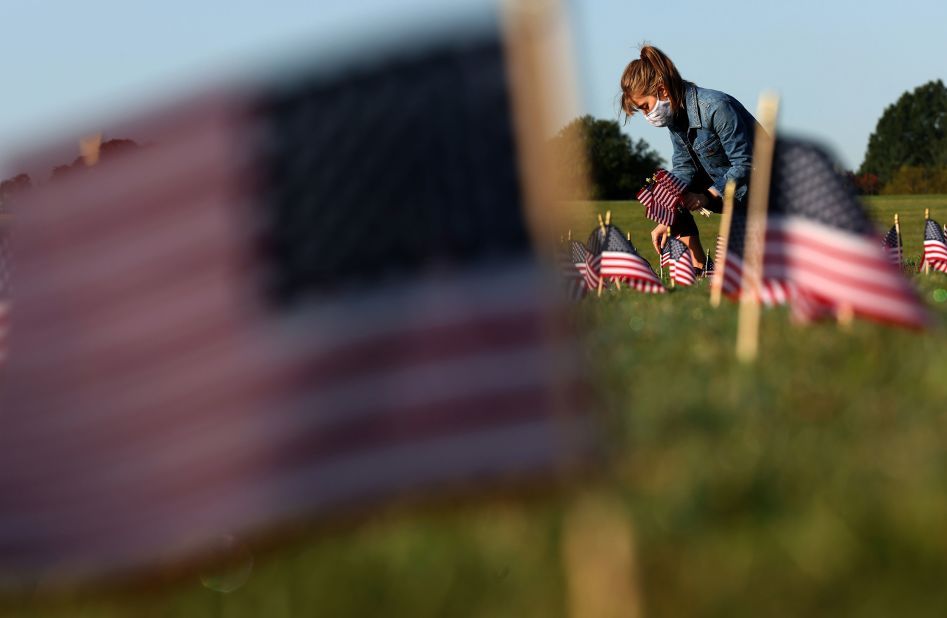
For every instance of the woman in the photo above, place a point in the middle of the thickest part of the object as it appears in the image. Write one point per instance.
(712, 134)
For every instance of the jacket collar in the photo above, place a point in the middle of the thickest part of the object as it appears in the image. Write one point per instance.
(690, 103)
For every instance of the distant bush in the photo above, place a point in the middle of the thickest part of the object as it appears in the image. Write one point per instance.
(915, 179)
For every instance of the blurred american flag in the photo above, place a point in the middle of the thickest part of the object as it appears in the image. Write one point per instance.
(296, 301)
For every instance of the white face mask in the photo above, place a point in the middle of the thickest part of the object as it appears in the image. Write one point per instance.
(661, 115)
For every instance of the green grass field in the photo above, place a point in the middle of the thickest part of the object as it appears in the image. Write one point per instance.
(813, 483)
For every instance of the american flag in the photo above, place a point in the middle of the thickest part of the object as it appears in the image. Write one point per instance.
(892, 246)
(661, 197)
(573, 269)
(612, 256)
(709, 266)
(935, 247)
(666, 254)
(820, 239)
(682, 266)
(774, 289)
(301, 301)
(580, 257)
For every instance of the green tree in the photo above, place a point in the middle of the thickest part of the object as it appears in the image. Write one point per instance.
(911, 132)
(615, 165)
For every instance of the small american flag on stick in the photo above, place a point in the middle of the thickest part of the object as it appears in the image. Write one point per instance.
(682, 266)
(892, 245)
(572, 268)
(612, 256)
(935, 247)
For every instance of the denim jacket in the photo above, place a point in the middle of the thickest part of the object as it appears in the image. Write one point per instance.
(718, 137)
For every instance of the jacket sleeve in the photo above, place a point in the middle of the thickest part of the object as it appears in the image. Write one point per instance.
(736, 139)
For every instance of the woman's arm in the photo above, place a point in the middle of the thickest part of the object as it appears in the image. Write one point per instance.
(736, 138)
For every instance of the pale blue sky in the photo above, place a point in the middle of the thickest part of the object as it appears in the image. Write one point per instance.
(67, 64)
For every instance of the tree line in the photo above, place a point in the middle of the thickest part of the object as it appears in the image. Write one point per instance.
(907, 152)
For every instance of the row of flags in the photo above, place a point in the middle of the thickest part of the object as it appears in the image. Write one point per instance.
(820, 250)
(935, 245)
(610, 256)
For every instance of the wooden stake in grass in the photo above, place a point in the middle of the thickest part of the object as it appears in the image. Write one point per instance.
(599, 556)
(927, 264)
(897, 231)
(601, 279)
(716, 284)
(748, 326)
(845, 316)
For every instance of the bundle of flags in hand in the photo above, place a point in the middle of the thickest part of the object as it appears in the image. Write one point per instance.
(662, 196)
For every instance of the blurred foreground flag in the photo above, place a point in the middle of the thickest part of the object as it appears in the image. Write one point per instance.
(774, 288)
(299, 300)
(820, 240)
(935, 247)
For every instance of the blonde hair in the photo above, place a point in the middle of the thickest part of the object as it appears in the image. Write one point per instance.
(644, 76)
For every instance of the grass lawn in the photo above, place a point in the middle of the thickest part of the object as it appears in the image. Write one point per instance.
(814, 483)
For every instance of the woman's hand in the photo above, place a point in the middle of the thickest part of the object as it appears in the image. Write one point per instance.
(657, 237)
(695, 201)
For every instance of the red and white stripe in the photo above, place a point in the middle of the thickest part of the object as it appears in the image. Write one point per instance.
(662, 197)
(841, 269)
(772, 291)
(621, 266)
(935, 254)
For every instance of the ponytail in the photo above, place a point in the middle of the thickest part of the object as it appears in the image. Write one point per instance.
(644, 76)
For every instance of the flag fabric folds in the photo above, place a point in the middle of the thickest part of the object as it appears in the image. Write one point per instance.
(682, 266)
(573, 269)
(661, 196)
(892, 246)
(612, 256)
(935, 247)
(821, 241)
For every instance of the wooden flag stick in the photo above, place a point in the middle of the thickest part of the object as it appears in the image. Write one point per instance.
(601, 223)
(569, 235)
(845, 316)
(608, 217)
(748, 325)
(927, 264)
(716, 285)
(897, 231)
